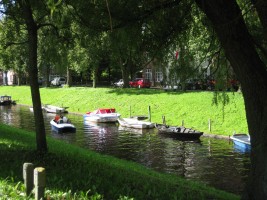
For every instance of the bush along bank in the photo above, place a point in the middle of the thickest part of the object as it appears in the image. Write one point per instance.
(88, 174)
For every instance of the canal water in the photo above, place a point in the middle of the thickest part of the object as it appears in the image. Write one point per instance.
(214, 162)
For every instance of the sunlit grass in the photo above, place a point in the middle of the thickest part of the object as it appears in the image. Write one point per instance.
(195, 109)
(76, 173)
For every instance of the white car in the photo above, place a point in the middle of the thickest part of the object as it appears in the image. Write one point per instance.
(58, 81)
(119, 83)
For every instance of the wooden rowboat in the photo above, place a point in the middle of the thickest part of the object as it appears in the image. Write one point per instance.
(178, 132)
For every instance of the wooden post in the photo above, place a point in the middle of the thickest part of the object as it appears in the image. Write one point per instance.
(182, 122)
(28, 177)
(149, 113)
(130, 112)
(39, 182)
(163, 120)
(209, 125)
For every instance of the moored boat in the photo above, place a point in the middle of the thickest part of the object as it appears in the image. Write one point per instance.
(135, 123)
(178, 132)
(242, 141)
(6, 100)
(125, 129)
(54, 109)
(62, 127)
(102, 115)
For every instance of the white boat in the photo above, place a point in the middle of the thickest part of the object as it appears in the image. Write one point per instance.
(124, 129)
(242, 141)
(31, 108)
(135, 123)
(54, 109)
(62, 127)
(102, 115)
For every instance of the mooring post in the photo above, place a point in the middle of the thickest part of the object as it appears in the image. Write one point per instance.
(39, 182)
(209, 125)
(28, 177)
(149, 113)
(163, 120)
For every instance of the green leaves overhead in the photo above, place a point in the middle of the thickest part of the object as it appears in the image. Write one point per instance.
(79, 34)
(52, 5)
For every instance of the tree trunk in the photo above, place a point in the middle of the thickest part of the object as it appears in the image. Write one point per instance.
(5, 78)
(69, 78)
(33, 73)
(125, 73)
(261, 7)
(18, 77)
(47, 72)
(95, 70)
(251, 72)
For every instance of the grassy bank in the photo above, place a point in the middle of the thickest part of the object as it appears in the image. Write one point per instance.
(195, 108)
(88, 174)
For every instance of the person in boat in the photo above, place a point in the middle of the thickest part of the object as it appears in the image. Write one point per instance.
(60, 121)
(65, 120)
(57, 117)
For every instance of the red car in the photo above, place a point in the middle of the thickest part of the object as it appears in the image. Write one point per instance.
(140, 83)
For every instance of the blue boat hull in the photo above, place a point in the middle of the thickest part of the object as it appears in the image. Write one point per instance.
(241, 142)
(62, 128)
(242, 147)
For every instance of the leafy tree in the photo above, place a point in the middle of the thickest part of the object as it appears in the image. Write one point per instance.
(12, 54)
(245, 58)
(30, 16)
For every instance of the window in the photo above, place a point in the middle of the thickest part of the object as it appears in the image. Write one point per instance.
(148, 74)
(159, 76)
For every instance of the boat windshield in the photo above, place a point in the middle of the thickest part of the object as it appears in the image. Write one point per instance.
(5, 98)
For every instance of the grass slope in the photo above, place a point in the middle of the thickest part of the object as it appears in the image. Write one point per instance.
(194, 108)
(88, 173)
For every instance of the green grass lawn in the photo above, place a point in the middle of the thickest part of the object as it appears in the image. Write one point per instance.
(76, 173)
(194, 108)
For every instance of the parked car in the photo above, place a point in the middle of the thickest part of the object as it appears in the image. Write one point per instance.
(119, 83)
(140, 83)
(57, 81)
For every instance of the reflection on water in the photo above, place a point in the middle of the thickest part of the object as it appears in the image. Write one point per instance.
(211, 161)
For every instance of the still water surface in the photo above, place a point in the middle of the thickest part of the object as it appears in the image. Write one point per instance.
(211, 161)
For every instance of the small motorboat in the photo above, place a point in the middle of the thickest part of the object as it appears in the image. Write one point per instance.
(102, 115)
(135, 123)
(54, 109)
(178, 132)
(241, 141)
(6, 100)
(62, 127)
